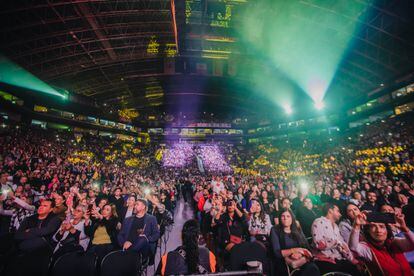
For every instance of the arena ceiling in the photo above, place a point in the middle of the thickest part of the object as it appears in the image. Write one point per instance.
(162, 54)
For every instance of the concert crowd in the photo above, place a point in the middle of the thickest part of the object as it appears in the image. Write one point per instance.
(299, 207)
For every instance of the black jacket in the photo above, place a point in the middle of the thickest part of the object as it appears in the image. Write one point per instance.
(110, 226)
(227, 227)
(34, 233)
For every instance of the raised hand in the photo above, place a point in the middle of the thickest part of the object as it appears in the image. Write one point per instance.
(360, 219)
(400, 220)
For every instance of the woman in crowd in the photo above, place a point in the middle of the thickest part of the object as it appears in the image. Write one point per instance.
(285, 203)
(306, 214)
(230, 223)
(265, 201)
(290, 247)
(239, 196)
(128, 211)
(166, 201)
(259, 223)
(326, 195)
(246, 203)
(345, 226)
(382, 252)
(102, 230)
(71, 235)
(189, 258)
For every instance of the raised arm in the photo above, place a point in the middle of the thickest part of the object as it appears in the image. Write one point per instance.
(406, 243)
(361, 249)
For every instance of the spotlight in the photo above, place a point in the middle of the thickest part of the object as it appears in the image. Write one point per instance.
(288, 109)
(304, 187)
(319, 105)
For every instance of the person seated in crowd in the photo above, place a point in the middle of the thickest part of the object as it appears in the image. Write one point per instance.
(159, 211)
(246, 203)
(297, 202)
(20, 209)
(190, 258)
(290, 247)
(230, 224)
(60, 208)
(266, 202)
(382, 252)
(408, 211)
(333, 253)
(345, 226)
(387, 209)
(239, 195)
(101, 230)
(371, 204)
(336, 199)
(139, 231)
(357, 199)
(71, 235)
(102, 202)
(396, 231)
(166, 201)
(306, 214)
(129, 209)
(35, 232)
(326, 195)
(259, 223)
(285, 203)
(117, 200)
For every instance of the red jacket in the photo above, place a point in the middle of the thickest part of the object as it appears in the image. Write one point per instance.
(391, 262)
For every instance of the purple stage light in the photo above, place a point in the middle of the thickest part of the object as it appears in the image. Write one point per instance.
(213, 159)
(178, 156)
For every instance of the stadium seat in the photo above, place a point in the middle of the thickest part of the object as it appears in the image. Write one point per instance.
(246, 252)
(121, 263)
(36, 263)
(75, 263)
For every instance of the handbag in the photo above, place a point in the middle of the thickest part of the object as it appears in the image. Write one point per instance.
(293, 263)
(233, 239)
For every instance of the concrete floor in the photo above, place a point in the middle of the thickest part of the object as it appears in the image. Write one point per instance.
(172, 239)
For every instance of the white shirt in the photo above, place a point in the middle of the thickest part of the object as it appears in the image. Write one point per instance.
(218, 186)
(323, 230)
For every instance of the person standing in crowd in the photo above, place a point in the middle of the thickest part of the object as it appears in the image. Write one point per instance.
(189, 258)
(382, 252)
(139, 231)
(333, 254)
(291, 248)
